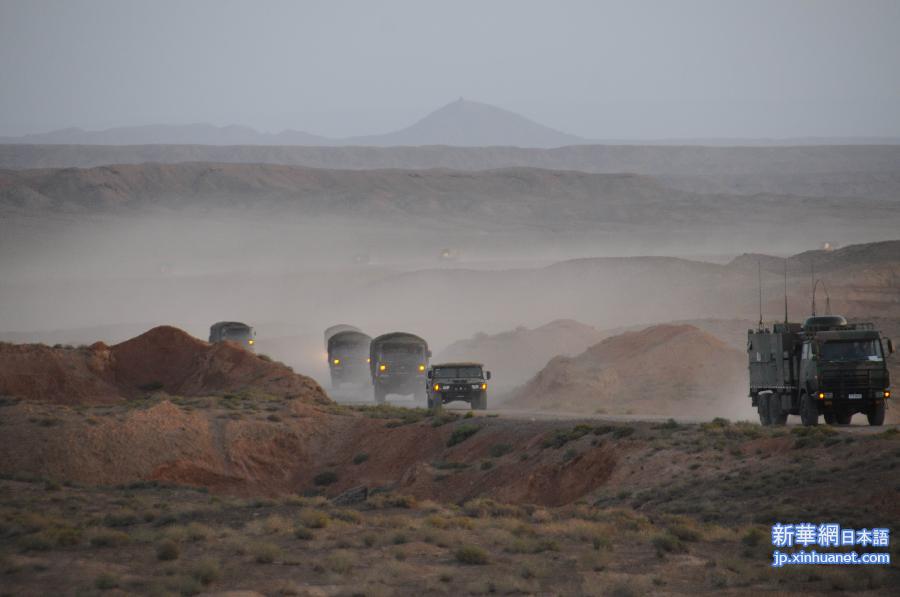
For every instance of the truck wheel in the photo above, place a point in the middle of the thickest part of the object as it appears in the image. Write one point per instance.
(379, 395)
(876, 414)
(762, 407)
(830, 417)
(777, 416)
(809, 411)
(843, 418)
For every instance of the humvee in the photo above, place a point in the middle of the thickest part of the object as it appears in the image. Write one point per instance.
(348, 357)
(397, 364)
(233, 331)
(449, 382)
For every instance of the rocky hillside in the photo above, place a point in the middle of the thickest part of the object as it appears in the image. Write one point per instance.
(162, 359)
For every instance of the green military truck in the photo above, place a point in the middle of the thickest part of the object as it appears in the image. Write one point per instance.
(233, 331)
(449, 382)
(397, 363)
(348, 357)
(825, 367)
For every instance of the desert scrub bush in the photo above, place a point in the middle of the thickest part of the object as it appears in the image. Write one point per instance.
(439, 521)
(443, 465)
(206, 571)
(623, 432)
(443, 419)
(683, 532)
(561, 437)
(667, 543)
(106, 538)
(360, 458)
(339, 562)
(486, 465)
(347, 515)
(398, 414)
(313, 519)
(264, 357)
(392, 500)
(471, 555)
(499, 450)
(265, 553)
(462, 433)
(106, 581)
(325, 478)
(167, 550)
(485, 507)
(303, 533)
(196, 531)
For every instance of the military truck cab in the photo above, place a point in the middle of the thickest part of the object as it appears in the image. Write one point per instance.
(233, 331)
(348, 358)
(397, 364)
(449, 382)
(825, 367)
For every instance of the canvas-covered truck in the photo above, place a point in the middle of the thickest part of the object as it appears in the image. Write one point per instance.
(233, 331)
(449, 382)
(397, 364)
(348, 357)
(825, 367)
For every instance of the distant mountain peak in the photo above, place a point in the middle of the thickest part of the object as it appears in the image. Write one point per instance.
(469, 123)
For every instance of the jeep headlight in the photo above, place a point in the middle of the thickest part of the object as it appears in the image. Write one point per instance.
(476, 386)
(437, 387)
(445, 387)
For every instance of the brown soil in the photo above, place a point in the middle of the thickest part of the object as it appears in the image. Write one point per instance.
(164, 358)
(662, 370)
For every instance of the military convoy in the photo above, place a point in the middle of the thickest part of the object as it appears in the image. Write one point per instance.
(825, 367)
(467, 382)
(233, 331)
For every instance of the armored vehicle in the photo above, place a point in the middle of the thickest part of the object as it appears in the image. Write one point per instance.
(448, 382)
(348, 357)
(233, 331)
(824, 367)
(397, 363)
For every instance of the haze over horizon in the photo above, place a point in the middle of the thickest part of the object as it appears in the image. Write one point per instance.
(647, 71)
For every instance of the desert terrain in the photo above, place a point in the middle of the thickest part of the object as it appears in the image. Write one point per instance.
(609, 288)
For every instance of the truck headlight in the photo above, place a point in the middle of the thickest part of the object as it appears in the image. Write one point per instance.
(336, 361)
(437, 387)
(421, 367)
(884, 394)
(251, 342)
(484, 386)
(382, 367)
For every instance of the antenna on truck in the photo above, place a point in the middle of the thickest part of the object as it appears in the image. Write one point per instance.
(812, 282)
(785, 294)
(759, 280)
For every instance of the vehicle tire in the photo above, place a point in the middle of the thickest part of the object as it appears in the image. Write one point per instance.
(830, 417)
(480, 403)
(762, 407)
(843, 418)
(777, 416)
(379, 395)
(809, 411)
(876, 414)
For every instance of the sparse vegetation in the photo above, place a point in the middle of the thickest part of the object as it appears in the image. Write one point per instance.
(471, 555)
(462, 433)
(325, 478)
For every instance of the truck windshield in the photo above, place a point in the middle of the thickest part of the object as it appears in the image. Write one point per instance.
(458, 372)
(851, 350)
(237, 335)
(401, 350)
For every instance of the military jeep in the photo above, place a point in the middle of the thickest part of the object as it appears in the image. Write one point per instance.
(449, 382)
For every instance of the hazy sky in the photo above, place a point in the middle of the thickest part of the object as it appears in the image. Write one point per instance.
(630, 69)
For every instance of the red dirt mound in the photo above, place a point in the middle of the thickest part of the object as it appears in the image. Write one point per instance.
(663, 370)
(164, 358)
